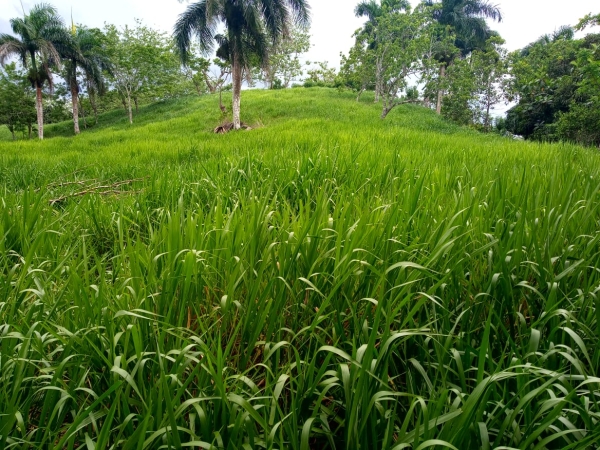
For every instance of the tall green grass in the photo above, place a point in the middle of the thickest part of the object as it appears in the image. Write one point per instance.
(324, 281)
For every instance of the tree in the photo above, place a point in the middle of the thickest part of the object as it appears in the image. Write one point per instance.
(207, 75)
(17, 100)
(476, 84)
(543, 83)
(402, 43)
(249, 26)
(588, 21)
(357, 70)
(197, 71)
(466, 19)
(90, 59)
(373, 10)
(42, 42)
(320, 74)
(490, 66)
(143, 64)
(582, 122)
(284, 59)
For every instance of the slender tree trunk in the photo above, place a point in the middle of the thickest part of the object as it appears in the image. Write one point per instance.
(360, 93)
(94, 107)
(438, 108)
(237, 90)
(82, 109)
(129, 111)
(39, 107)
(221, 106)
(378, 82)
(135, 100)
(12, 131)
(75, 101)
(29, 127)
(488, 108)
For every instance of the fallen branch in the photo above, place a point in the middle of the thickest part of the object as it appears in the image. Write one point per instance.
(69, 183)
(100, 190)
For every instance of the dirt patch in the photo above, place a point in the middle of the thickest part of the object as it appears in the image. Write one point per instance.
(227, 127)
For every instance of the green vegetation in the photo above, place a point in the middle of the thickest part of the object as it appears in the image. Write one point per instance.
(556, 81)
(249, 26)
(327, 280)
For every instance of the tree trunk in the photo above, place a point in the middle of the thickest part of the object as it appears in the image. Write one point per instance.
(387, 106)
(360, 93)
(197, 86)
(82, 114)
(221, 105)
(29, 127)
(39, 107)
(12, 131)
(487, 120)
(438, 108)
(135, 100)
(237, 91)
(129, 111)
(378, 81)
(94, 107)
(75, 101)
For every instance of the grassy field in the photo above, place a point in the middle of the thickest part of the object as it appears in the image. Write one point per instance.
(324, 281)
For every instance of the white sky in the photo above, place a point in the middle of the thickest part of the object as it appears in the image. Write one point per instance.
(333, 21)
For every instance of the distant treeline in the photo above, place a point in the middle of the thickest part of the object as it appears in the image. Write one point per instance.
(441, 54)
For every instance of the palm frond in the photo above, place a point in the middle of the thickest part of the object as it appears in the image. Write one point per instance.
(301, 10)
(565, 32)
(369, 9)
(276, 18)
(482, 8)
(11, 46)
(195, 21)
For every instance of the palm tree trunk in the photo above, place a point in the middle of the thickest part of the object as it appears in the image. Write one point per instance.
(75, 101)
(39, 107)
(438, 108)
(237, 90)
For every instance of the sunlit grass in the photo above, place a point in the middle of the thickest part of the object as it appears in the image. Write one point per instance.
(326, 280)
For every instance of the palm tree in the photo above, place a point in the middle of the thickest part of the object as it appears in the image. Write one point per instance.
(249, 25)
(87, 56)
(467, 19)
(565, 33)
(372, 10)
(43, 40)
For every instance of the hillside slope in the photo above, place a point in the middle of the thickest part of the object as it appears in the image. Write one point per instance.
(327, 280)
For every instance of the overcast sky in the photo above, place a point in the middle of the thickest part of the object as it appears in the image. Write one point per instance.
(333, 21)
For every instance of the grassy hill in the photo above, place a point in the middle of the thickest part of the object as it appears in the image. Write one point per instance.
(327, 280)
